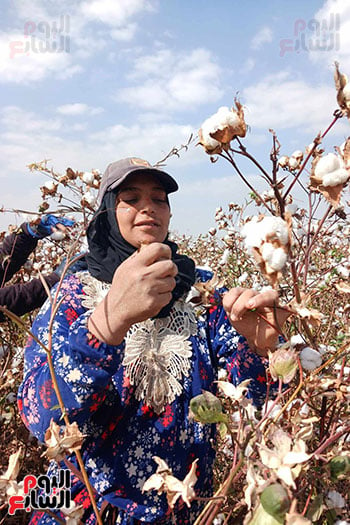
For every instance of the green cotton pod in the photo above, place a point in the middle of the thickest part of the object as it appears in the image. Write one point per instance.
(261, 517)
(275, 500)
(339, 466)
(207, 408)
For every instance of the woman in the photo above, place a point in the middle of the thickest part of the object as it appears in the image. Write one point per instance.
(130, 354)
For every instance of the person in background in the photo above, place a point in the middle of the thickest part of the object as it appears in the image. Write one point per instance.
(14, 251)
(130, 353)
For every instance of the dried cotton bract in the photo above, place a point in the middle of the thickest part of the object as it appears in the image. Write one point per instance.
(218, 130)
(62, 440)
(164, 481)
(343, 90)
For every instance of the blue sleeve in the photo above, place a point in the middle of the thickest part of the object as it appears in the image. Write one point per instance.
(83, 365)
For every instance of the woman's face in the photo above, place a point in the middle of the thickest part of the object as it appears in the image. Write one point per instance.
(142, 210)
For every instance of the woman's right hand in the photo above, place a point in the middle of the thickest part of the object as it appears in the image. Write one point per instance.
(141, 287)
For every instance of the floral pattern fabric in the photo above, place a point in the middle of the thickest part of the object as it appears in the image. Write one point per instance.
(123, 433)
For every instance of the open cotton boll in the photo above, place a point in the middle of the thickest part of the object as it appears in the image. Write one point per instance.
(335, 177)
(275, 257)
(90, 198)
(57, 236)
(278, 259)
(283, 161)
(50, 185)
(225, 256)
(310, 358)
(267, 251)
(296, 340)
(256, 231)
(252, 233)
(327, 164)
(88, 177)
(293, 163)
(208, 141)
(225, 117)
(276, 226)
(298, 154)
(335, 500)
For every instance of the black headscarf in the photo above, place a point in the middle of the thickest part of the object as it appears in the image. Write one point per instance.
(108, 249)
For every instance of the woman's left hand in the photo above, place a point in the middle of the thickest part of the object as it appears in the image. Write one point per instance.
(247, 310)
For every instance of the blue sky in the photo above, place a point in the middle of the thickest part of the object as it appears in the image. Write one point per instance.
(136, 77)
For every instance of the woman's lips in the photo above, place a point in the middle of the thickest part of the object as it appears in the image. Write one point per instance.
(147, 224)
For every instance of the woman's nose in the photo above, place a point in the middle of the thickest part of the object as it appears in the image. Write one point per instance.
(147, 206)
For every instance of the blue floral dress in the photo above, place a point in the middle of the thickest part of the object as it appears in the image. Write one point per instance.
(123, 430)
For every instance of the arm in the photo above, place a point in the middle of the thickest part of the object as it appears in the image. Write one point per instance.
(14, 251)
(25, 297)
(83, 365)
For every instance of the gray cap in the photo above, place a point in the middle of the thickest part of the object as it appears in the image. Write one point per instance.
(118, 171)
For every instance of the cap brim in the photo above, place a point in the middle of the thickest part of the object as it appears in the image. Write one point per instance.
(165, 179)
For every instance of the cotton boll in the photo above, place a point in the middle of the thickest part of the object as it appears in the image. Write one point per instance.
(88, 177)
(278, 260)
(50, 185)
(327, 164)
(296, 340)
(90, 198)
(225, 257)
(57, 236)
(242, 278)
(267, 251)
(335, 177)
(335, 500)
(298, 154)
(276, 226)
(283, 161)
(293, 163)
(252, 233)
(343, 271)
(310, 358)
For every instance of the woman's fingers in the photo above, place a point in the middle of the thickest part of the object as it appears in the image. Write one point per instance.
(238, 301)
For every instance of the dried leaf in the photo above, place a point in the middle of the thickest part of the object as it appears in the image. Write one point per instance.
(13, 467)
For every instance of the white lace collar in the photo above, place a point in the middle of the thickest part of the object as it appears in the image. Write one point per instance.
(157, 351)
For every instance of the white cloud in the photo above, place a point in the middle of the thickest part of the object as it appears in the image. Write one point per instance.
(173, 80)
(78, 109)
(15, 120)
(114, 13)
(334, 13)
(282, 101)
(264, 36)
(124, 34)
(22, 62)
